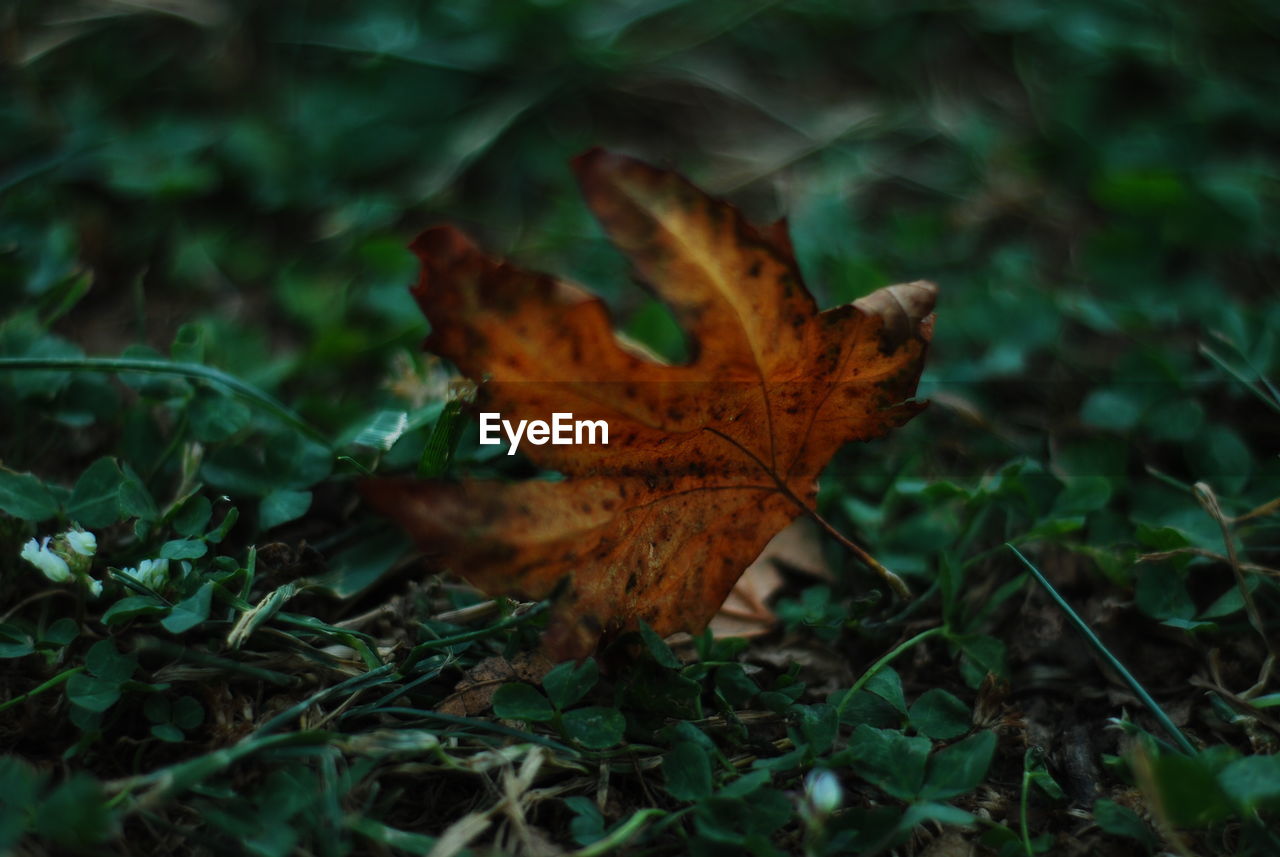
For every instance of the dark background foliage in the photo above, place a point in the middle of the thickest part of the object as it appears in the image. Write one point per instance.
(1092, 183)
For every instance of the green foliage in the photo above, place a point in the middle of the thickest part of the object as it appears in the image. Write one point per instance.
(593, 727)
(522, 702)
(940, 715)
(207, 339)
(1122, 821)
(24, 496)
(687, 771)
(890, 760)
(568, 682)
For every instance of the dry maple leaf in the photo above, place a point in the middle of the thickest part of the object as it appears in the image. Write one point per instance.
(705, 461)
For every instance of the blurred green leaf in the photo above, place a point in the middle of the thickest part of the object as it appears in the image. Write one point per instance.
(1190, 790)
(1253, 782)
(594, 727)
(281, 507)
(61, 633)
(1161, 593)
(184, 549)
(687, 772)
(25, 496)
(192, 516)
(20, 783)
(940, 715)
(587, 825)
(887, 685)
(216, 417)
(76, 814)
(568, 682)
(959, 768)
(518, 701)
(191, 611)
(1082, 494)
(134, 499)
(1122, 821)
(888, 759)
(132, 607)
(15, 642)
(737, 687)
(1113, 409)
(92, 693)
(658, 647)
(1220, 457)
(106, 662)
(95, 500)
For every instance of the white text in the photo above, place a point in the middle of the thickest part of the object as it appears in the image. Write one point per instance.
(563, 430)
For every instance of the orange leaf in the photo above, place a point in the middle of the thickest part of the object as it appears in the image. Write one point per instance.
(705, 461)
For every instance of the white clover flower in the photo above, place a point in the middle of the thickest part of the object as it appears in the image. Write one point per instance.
(823, 792)
(76, 548)
(154, 572)
(50, 564)
(151, 572)
(95, 587)
(82, 542)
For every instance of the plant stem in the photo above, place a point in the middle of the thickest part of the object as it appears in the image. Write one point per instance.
(1209, 502)
(51, 683)
(620, 835)
(1022, 810)
(884, 661)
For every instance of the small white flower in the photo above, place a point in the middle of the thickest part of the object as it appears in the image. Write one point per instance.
(95, 587)
(82, 542)
(76, 548)
(152, 572)
(50, 564)
(823, 791)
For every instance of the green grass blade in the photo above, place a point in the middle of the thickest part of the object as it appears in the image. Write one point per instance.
(165, 367)
(443, 441)
(1101, 649)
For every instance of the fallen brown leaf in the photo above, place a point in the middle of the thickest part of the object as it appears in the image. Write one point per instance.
(705, 462)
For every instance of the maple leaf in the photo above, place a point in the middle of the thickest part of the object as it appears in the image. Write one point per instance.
(706, 460)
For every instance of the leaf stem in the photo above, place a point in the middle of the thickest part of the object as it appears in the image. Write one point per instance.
(884, 661)
(896, 583)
